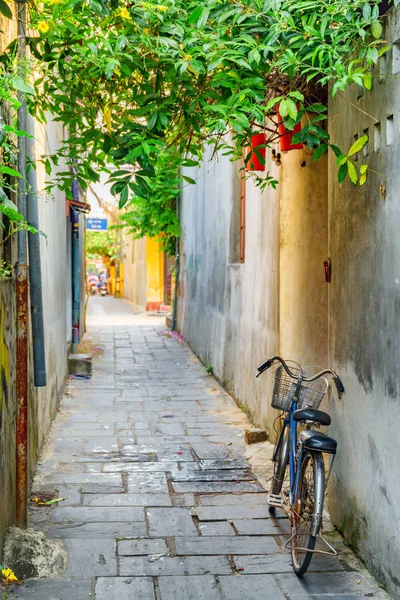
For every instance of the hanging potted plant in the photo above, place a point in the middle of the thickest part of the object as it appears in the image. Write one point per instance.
(286, 135)
(255, 157)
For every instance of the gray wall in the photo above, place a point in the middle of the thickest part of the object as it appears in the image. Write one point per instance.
(236, 315)
(228, 311)
(365, 323)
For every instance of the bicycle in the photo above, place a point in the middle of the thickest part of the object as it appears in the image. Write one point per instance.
(298, 394)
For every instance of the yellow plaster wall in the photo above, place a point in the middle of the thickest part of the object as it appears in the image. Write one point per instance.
(154, 271)
(303, 296)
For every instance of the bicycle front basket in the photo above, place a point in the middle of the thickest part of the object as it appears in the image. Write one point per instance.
(311, 393)
(284, 387)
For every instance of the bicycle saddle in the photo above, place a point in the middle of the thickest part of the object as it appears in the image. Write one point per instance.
(311, 414)
(315, 440)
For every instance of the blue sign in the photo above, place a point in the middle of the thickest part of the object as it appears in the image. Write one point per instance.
(96, 224)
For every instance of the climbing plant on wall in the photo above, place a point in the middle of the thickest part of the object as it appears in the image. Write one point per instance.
(10, 84)
(146, 86)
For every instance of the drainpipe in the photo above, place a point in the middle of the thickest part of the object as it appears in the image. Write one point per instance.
(22, 298)
(76, 270)
(35, 268)
(177, 270)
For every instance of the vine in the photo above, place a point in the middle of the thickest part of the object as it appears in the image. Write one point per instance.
(10, 85)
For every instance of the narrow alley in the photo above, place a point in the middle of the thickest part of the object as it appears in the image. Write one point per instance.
(160, 500)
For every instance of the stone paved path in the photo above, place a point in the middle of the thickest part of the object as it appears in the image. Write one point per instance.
(161, 502)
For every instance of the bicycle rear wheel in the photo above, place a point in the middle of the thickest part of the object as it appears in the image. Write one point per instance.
(280, 464)
(307, 510)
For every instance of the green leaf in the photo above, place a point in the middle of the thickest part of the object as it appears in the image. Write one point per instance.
(363, 169)
(188, 179)
(272, 103)
(358, 145)
(19, 84)
(54, 501)
(318, 108)
(352, 172)
(283, 108)
(376, 29)
(292, 108)
(195, 15)
(342, 173)
(367, 81)
(363, 174)
(320, 151)
(9, 171)
(298, 95)
(5, 9)
(335, 149)
(367, 12)
(341, 160)
(384, 49)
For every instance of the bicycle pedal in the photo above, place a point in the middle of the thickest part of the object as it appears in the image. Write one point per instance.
(275, 500)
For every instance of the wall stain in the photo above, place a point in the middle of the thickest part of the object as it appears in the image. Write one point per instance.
(4, 363)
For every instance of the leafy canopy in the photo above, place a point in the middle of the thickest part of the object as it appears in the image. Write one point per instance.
(143, 86)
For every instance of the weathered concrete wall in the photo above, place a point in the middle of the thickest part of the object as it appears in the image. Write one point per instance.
(235, 315)
(42, 401)
(228, 311)
(365, 320)
(52, 219)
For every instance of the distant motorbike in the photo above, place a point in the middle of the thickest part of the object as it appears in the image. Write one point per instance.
(103, 289)
(93, 289)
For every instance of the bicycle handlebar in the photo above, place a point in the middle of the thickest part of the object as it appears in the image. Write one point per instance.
(268, 363)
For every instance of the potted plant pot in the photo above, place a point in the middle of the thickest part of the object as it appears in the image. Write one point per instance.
(285, 141)
(256, 160)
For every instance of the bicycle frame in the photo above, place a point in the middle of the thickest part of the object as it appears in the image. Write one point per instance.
(294, 460)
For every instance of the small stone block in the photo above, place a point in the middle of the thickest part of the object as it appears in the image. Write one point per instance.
(254, 436)
(80, 364)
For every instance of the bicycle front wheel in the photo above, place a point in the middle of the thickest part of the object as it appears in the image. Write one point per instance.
(307, 510)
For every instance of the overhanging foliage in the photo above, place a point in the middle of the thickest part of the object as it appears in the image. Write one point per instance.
(147, 85)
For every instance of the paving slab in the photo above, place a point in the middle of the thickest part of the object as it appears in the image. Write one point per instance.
(262, 526)
(156, 565)
(329, 585)
(94, 556)
(127, 499)
(250, 587)
(281, 563)
(142, 547)
(50, 589)
(124, 588)
(162, 501)
(189, 588)
(222, 487)
(99, 530)
(227, 545)
(216, 528)
(88, 514)
(225, 513)
(164, 522)
(144, 483)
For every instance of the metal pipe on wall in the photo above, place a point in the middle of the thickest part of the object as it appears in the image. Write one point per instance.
(177, 273)
(35, 267)
(76, 279)
(22, 298)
